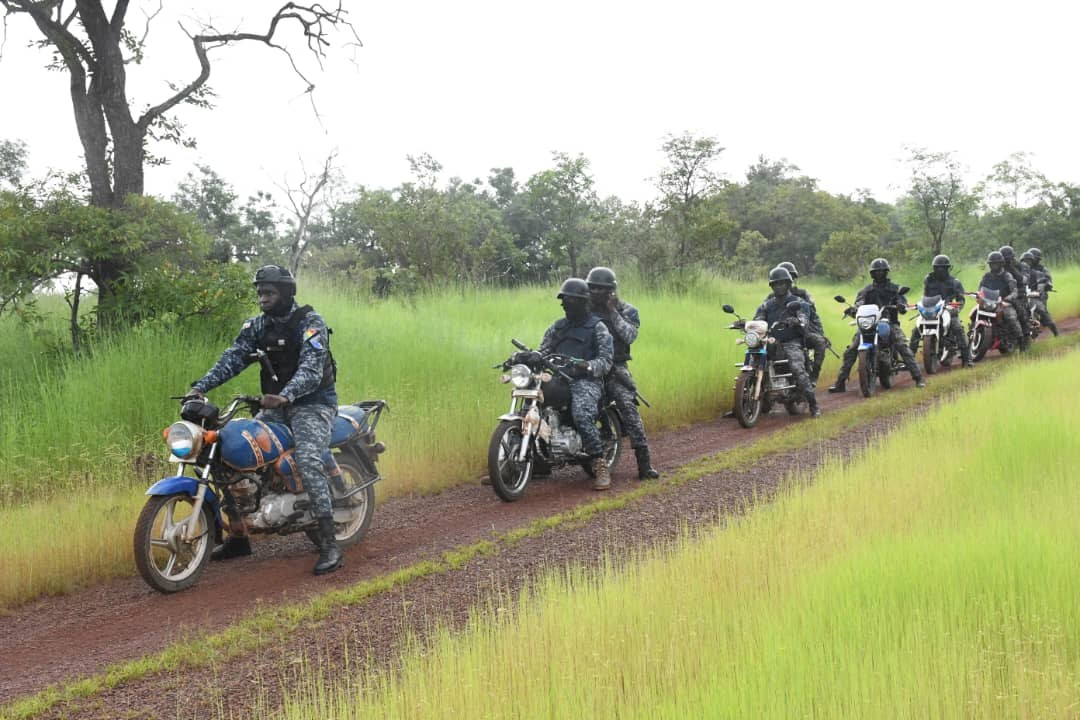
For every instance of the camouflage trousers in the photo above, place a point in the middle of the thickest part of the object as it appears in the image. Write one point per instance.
(900, 342)
(1024, 320)
(1043, 315)
(624, 397)
(585, 408)
(820, 346)
(311, 426)
(1011, 331)
(796, 357)
(956, 332)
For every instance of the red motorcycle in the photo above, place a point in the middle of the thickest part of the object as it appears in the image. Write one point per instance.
(985, 333)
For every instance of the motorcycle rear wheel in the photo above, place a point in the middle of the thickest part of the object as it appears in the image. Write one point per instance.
(930, 355)
(610, 426)
(867, 376)
(362, 504)
(982, 337)
(165, 561)
(509, 478)
(747, 409)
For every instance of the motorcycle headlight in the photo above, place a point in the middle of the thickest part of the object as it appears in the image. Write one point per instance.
(866, 323)
(752, 339)
(520, 376)
(184, 439)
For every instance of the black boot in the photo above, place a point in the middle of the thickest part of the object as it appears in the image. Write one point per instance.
(839, 386)
(811, 401)
(1053, 329)
(330, 558)
(645, 470)
(234, 546)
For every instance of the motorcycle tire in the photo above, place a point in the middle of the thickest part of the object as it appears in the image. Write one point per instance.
(508, 478)
(165, 562)
(930, 355)
(885, 374)
(867, 376)
(747, 409)
(982, 338)
(362, 503)
(611, 431)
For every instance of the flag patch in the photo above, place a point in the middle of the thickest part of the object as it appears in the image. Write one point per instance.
(312, 336)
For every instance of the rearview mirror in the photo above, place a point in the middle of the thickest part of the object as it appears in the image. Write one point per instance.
(727, 309)
(839, 298)
(904, 289)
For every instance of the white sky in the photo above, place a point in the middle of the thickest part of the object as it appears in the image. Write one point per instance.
(837, 87)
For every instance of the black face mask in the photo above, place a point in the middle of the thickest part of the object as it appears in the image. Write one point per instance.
(576, 309)
(941, 273)
(598, 299)
(879, 277)
(997, 268)
(780, 289)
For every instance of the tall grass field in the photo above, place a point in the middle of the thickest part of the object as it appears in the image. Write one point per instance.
(81, 438)
(935, 576)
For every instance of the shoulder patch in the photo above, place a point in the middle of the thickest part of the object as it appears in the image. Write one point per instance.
(311, 335)
(246, 325)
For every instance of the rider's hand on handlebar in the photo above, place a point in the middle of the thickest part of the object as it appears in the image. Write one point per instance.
(271, 402)
(527, 357)
(193, 394)
(580, 368)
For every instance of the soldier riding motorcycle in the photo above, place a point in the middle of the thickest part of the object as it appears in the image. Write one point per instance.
(993, 322)
(938, 324)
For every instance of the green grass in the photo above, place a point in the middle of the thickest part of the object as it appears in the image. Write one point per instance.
(90, 429)
(881, 590)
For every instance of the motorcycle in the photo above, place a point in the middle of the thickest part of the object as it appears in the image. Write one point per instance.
(764, 378)
(932, 324)
(538, 435)
(986, 320)
(249, 466)
(879, 358)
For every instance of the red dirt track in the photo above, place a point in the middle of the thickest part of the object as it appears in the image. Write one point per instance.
(79, 635)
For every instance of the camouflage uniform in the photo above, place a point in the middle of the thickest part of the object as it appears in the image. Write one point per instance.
(591, 341)
(1006, 285)
(881, 294)
(1040, 281)
(790, 336)
(624, 324)
(1020, 304)
(813, 333)
(310, 391)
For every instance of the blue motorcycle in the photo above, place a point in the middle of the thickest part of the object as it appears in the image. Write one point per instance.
(244, 468)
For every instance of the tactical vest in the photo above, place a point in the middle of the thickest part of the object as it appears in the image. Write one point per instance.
(774, 311)
(282, 343)
(948, 288)
(576, 341)
(996, 282)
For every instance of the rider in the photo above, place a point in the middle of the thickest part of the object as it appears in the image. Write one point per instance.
(1003, 282)
(300, 393)
(939, 282)
(786, 314)
(814, 334)
(621, 318)
(880, 292)
(1012, 267)
(584, 337)
(1042, 283)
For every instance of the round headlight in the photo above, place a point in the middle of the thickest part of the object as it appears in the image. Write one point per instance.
(752, 340)
(520, 376)
(867, 322)
(184, 439)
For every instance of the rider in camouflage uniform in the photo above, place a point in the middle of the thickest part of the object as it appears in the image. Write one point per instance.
(880, 292)
(814, 333)
(583, 336)
(939, 282)
(622, 320)
(787, 317)
(1041, 282)
(300, 393)
(1003, 282)
(1012, 267)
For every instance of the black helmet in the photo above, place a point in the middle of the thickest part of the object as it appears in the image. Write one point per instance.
(601, 277)
(995, 257)
(1037, 253)
(1007, 252)
(778, 275)
(941, 261)
(790, 267)
(274, 275)
(879, 264)
(1027, 257)
(574, 288)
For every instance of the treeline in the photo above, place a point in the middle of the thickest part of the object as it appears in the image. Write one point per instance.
(183, 256)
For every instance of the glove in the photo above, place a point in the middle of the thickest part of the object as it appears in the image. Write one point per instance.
(193, 394)
(527, 357)
(792, 308)
(271, 402)
(580, 369)
(849, 312)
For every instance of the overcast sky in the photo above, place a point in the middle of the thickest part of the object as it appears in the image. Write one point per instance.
(836, 87)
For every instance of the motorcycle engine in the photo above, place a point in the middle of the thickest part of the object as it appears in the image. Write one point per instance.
(565, 441)
(275, 510)
(245, 492)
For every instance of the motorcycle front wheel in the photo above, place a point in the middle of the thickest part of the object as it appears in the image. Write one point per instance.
(930, 355)
(885, 369)
(747, 407)
(358, 508)
(866, 374)
(982, 337)
(508, 476)
(165, 560)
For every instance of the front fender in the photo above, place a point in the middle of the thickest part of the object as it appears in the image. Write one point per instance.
(511, 416)
(179, 484)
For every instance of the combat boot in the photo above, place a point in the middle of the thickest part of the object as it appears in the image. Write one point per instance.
(839, 386)
(811, 402)
(645, 470)
(234, 546)
(601, 474)
(1053, 328)
(330, 557)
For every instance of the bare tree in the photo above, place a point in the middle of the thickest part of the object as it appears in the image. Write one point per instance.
(304, 200)
(937, 187)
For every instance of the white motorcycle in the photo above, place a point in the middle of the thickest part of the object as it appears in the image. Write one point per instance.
(932, 324)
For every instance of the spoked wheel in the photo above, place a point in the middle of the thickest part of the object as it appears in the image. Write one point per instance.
(982, 337)
(352, 516)
(747, 407)
(867, 377)
(611, 431)
(930, 355)
(508, 476)
(167, 562)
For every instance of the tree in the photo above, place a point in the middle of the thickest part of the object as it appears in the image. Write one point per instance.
(304, 200)
(96, 48)
(937, 189)
(684, 184)
(561, 200)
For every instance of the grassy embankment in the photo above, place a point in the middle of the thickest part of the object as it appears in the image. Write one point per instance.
(73, 432)
(935, 576)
